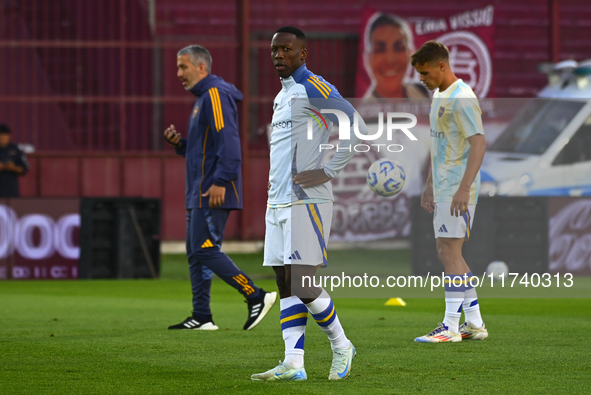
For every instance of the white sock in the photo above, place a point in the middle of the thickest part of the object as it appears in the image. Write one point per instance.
(472, 308)
(293, 319)
(452, 317)
(323, 311)
(454, 296)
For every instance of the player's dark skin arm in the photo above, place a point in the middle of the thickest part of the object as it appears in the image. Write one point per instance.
(288, 54)
(309, 178)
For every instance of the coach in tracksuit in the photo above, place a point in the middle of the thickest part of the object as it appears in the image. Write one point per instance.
(213, 188)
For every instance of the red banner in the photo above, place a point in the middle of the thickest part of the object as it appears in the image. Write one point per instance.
(387, 42)
(39, 238)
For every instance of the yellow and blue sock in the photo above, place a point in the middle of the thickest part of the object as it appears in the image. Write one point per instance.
(323, 311)
(293, 319)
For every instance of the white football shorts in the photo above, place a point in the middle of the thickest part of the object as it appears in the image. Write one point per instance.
(297, 234)
(448, 226)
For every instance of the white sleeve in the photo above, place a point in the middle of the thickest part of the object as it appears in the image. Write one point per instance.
(345, 150)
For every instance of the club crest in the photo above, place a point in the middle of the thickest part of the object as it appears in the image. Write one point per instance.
(441, 111)
(293, 98)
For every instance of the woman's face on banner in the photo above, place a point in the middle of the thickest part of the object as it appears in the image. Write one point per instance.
(388, 59)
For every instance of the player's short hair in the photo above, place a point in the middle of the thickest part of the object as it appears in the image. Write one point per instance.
(431, 51)
(389, 20)
(295, 31)
(4, 129)
(197, 55)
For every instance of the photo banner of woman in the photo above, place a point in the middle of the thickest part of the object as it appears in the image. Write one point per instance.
(385, 82)
(387, 41)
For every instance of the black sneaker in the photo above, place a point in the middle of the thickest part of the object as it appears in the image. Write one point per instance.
(258, 309)
(192, 323)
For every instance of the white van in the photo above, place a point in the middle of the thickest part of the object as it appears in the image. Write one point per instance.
(546, 148)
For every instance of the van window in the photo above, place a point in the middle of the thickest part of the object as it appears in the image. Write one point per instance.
(536, 126)
(578, 149)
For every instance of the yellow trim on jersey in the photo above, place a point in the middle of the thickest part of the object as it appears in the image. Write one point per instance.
(326, 87)
(310, 80)
(294, 317)
(328, 317)
(203, 166)
(448, 91)
(235, 191)
(467, 236)
(298, 202)
(216, 104)
(460, 152)
(448, 151)
(322, 85)
(316, 218)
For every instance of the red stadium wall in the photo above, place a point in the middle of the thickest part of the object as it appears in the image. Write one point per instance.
(134, 175)
(92, 84)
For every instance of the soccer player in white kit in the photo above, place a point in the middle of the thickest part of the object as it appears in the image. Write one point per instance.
(299, 209)
(451, 192)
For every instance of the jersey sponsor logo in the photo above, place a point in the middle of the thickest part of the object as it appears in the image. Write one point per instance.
(207, 244)
(295, 256)
(281, 125)
(315, 116)
(292, 99)
(438, 135)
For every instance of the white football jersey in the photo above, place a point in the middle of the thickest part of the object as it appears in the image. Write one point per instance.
(299, 103)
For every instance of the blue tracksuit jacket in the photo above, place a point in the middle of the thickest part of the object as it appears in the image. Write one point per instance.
(212, 146)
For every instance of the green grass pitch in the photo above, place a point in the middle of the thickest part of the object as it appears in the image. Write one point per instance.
(110, 337)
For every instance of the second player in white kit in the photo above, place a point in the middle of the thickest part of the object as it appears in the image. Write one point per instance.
(451, 191)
